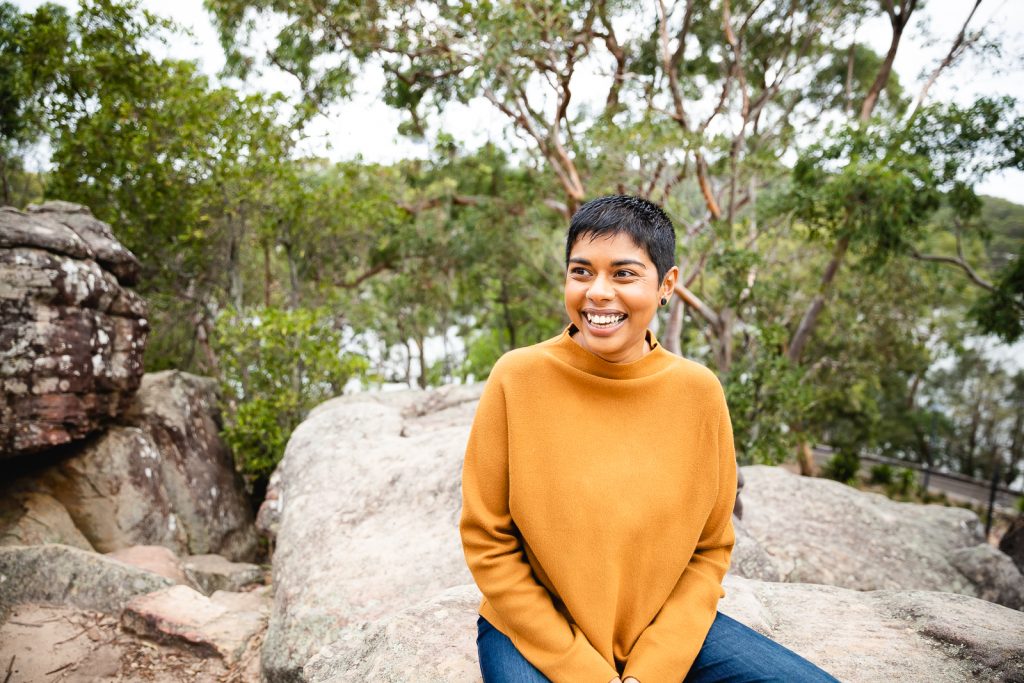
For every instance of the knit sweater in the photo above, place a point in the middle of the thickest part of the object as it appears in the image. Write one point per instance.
(597, 506)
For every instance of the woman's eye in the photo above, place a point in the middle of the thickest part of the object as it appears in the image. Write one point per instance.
(577, 271)
(625, 273)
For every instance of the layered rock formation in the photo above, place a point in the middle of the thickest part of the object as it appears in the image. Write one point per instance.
(72, 333)
(162, 477)
(366, 504)
(821, 531)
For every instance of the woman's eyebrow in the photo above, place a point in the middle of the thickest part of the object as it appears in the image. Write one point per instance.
(620, 262)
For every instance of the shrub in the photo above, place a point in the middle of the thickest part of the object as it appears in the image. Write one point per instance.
(842, 466)
(881, 474)
(275, 366)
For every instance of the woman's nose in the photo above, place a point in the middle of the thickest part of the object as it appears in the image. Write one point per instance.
(600, 289)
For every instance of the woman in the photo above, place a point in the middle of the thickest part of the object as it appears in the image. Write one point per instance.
(599, 484)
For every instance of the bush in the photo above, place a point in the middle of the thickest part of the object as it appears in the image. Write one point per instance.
(275, 366)
(842, 466)
(881, 474)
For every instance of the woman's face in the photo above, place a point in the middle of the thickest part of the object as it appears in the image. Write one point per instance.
(611, 295)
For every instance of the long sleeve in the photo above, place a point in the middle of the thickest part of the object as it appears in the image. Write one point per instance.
(496, 558)
(667, 648)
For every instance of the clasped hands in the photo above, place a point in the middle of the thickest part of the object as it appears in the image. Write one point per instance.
(630, 679)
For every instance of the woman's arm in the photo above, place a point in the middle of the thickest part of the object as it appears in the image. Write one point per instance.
(495, 556)
(667, 648)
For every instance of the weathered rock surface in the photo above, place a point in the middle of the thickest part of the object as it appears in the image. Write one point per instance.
(164, 479)
(920, 636)
(221, 625)
(369, 494)
(178, 411)
(749, 558)
(210, 573)
(28, 518)
(152, 558)
(72, 334)
(96, 234)
(821, 531)
(54, 574)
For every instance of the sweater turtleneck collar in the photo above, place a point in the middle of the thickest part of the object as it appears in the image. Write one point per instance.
(565, 348)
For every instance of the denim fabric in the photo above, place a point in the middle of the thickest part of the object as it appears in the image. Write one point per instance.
(732, 653)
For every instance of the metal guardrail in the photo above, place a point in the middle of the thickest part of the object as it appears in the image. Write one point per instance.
(952, 483)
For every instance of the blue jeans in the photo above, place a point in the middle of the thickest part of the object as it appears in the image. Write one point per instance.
(732, 653)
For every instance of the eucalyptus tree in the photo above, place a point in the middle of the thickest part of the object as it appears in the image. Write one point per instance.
(699, 106)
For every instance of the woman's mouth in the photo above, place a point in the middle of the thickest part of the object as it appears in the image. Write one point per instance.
(604, 322)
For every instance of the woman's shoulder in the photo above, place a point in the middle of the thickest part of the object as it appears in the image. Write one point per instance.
(523, 358)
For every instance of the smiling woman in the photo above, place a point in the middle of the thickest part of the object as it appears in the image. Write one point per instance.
(599, 484)
(612, 290)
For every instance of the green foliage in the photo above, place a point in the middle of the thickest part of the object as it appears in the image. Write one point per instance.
(276, 366)
(764, 392)
(842, 466)
(881, 473)
(903, 483)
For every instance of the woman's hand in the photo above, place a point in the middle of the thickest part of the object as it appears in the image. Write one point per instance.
(628, 680)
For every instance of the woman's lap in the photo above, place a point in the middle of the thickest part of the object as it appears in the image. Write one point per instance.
(732, 653)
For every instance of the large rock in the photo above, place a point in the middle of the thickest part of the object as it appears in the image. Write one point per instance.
(153, 558)
(179, 413)
(167, 479)
(72, 334)
(369, 495)
(821, 531)
(221, 625)
(55, 574)
(28, 518)
(211, 573)
(930, 637)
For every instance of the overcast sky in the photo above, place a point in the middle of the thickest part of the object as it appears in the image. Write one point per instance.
(366, 126)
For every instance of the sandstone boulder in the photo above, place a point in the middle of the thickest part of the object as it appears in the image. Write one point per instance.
(821, 531)
(54, 574)
(210, 573)
(162, 477)
(28, 518)
(221, 625)
(922, 636)
(152, 558)
(178, 411)
(72, 334)
(369, 495)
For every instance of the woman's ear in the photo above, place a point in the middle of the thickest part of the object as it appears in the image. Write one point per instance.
(668, 285)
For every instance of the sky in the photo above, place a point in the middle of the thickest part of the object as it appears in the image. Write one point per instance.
(366, 126)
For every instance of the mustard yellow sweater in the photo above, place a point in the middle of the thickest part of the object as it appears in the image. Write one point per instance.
(597, 506)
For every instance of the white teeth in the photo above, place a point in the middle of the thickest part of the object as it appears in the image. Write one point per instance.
(604, 319)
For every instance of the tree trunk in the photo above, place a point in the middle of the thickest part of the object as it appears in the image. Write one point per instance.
(507, 314)
(805, 458)
(810, 319)
(672, 338)
(266, 273)
(422, 380)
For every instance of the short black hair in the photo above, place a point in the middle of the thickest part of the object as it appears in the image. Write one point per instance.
(645, 222)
